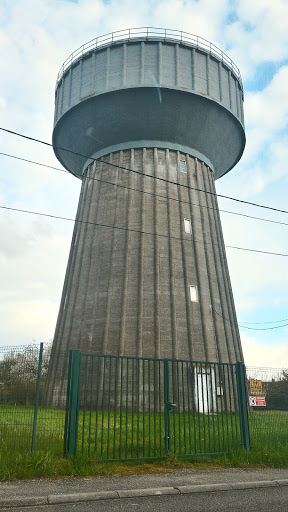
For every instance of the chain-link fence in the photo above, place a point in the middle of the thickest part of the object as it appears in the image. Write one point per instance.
(268, 405)
(25, 422)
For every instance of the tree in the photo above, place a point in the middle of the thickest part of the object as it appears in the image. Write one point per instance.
(277, 392)
(18, 374)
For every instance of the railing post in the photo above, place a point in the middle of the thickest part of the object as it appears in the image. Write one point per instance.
(72, 404)
(37, 398)
(67, 412)
(242, 405)
(167, 440)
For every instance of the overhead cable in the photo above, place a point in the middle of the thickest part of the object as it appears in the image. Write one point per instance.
(147, 192)
(140, 173)
(250, 328)
(139, 231)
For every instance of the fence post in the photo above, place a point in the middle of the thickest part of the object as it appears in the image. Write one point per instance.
(167, 440)
(242, 404)
(72, 404)
(67, 411)
(37, 398)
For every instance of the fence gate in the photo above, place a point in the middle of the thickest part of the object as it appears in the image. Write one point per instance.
(132, 408)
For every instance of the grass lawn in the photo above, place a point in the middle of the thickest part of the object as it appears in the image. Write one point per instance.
(115, 436)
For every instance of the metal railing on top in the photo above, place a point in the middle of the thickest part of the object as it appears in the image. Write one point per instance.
(150, 33)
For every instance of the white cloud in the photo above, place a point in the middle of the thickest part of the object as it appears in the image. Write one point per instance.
(259, 33)
(194, 17)
(274, 355)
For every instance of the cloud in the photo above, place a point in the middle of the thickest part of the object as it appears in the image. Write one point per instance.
(258, 34)
(257, 354)
(194, 17)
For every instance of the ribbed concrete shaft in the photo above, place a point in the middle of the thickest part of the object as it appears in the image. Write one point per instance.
(127, 287)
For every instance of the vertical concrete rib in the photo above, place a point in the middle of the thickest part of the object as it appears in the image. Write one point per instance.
(159, 63)
(126, 292)
(124, 65)
(228, 305)
(170, 260)
(70, 87)
(110, 234)
(206, 262)
(198, 349)
(94, 171)
(93, 84)
(126, 264)
(177, 65)
(142, 64)
(108, 67)
(157, 332)
(208, 73)
(230, 88)
(193, 68)
(183, 212)
(220, 82)
(80, 79)
(232, 319)
(140, 268)
(223, 349)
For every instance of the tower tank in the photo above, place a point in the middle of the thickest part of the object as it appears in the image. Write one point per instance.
(151, 118)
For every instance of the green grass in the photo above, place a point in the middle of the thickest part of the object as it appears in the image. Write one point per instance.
(269, 436)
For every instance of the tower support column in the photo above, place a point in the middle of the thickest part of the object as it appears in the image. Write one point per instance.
(147, 273)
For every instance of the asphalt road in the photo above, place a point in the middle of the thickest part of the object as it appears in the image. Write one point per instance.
(272, 499)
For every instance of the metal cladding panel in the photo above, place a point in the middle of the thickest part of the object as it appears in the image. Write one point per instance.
(225, 93)
(102, 58)
(116, 67)
(214, 85)
(185, 68)
(151, 64)
(66, 91)
(75, 84)
(168, 67)
(133, 71)
(233, 94)
(148, 63)
(87, 76)
(201, 81)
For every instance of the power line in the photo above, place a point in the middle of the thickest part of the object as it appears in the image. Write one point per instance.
(250, 328)
(147, 192)
(139, 231)
(33, 162)
(260, 323)
(141, 173)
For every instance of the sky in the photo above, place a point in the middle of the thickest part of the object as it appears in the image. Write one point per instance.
(36, 36)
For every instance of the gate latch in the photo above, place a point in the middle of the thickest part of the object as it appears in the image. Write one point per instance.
(170, 406)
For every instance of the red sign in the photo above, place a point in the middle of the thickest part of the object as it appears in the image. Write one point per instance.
(257, 401)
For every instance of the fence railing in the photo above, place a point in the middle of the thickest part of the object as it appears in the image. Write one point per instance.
(149, 33)
(126, 408)
(134, 408)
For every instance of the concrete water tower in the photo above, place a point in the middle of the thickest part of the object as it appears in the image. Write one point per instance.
(147, 274)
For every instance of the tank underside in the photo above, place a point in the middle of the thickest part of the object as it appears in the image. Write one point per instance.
(149, 117)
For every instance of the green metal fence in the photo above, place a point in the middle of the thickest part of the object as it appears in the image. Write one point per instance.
(134, 408)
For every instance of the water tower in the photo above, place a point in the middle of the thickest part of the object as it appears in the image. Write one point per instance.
(153, 117)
